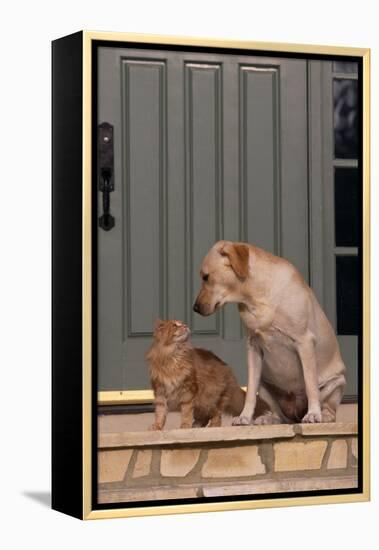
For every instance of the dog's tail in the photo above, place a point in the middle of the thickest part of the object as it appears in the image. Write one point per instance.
(237, 401)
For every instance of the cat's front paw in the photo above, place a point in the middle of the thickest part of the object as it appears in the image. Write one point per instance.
(155, 427)
(185, 425)
(241, 421)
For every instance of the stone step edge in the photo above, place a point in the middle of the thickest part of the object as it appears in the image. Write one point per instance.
(224, 434)
(236, 488)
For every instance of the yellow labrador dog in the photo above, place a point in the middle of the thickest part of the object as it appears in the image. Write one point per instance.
(292, 352)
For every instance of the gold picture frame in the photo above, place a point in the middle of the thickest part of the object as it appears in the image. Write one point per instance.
(88, 403)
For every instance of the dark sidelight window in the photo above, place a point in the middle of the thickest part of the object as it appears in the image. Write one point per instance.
(345, 103)
(347, 194)
(346, 206)
(347, 279)
(345, 67)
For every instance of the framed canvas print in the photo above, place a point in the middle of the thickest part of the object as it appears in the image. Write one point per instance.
(210, 275)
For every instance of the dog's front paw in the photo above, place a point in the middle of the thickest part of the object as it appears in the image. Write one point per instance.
(241, 421)
(312, 417)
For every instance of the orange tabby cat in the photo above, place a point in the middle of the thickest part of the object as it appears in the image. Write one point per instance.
(192, 380)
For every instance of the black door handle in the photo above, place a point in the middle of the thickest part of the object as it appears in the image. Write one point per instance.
(106, 172)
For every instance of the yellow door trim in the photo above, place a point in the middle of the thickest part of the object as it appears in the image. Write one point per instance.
(125, 397)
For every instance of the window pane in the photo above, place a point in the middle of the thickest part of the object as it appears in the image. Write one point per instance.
(346, 206)
(345, 94)
(345, 67)
(348, 295)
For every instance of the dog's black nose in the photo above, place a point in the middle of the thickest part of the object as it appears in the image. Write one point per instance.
(196, 307)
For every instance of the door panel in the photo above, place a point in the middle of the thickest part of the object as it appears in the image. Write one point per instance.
(259, 149)
(207, 147)
(203, 176)
(144, 179)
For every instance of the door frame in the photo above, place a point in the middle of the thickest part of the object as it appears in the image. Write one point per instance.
(322, 248)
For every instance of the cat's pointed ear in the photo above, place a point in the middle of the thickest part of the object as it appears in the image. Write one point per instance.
(158, 323)
(238, 256)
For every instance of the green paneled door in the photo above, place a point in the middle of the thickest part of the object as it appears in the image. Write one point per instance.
(207, 147)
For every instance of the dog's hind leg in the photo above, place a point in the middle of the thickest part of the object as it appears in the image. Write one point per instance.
(272, 416)
(330, 397)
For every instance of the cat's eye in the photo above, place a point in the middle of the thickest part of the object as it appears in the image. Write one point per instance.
(206, 277)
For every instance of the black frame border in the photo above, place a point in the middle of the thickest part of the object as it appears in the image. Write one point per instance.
(67, 253)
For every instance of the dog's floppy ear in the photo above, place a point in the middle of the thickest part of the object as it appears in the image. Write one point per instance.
(238, 255)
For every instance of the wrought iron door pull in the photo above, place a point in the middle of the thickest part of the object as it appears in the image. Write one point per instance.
(106, 172)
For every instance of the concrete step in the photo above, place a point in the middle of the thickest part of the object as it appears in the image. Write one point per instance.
(231, 460)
